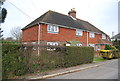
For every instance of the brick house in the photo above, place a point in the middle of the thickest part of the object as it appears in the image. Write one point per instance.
(53, 28)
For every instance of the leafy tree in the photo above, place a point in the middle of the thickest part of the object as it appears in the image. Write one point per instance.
(110, 47)
(4, 14)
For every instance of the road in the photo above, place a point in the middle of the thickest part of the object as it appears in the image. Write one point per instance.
(107, 71)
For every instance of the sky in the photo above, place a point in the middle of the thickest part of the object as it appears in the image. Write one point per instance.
(103, 14)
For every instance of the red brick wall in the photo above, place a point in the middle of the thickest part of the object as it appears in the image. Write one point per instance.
(30, 34)
(95, 39)
(102, 47)
(65, 34)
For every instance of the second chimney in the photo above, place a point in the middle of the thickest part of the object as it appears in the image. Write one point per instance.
(72, 13)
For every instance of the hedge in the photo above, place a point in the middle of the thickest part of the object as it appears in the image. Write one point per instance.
(19, 60)
(12, 61)
(78, 55)
(64, 57)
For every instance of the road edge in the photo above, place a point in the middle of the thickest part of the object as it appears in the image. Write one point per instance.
(70, 71)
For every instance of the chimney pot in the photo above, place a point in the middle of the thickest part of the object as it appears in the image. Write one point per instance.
(72, 13)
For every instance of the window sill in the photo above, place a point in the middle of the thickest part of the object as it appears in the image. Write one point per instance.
(53, 32)
(78, 35)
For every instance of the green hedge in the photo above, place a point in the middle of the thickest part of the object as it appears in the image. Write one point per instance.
(12, 61)
(78, 55)
(18, 61)
(65, 57)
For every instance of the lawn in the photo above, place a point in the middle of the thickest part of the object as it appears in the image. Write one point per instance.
(98, 59)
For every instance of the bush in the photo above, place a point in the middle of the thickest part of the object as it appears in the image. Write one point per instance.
(18, 61)
(61, 57)
(78, 55)
(66, 57)
(12, 61)
(49, 59)
(110, 47)
(118, 47)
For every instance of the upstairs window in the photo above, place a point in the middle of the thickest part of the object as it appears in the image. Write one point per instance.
(79, 32)
(103, 36)
(92, 35)
(53, 29)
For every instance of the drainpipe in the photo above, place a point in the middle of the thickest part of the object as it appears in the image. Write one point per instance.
(87, 38)
(38, 39)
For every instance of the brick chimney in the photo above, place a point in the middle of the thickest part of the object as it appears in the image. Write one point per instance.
(72, 13)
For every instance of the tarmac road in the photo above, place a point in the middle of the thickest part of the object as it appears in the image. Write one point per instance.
(107, 71)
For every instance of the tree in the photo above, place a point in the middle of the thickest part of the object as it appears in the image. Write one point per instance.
(110, 47)
(9, 39)
(16, 33)
(3, 12)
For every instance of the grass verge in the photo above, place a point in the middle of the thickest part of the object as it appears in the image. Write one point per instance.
(98, 59)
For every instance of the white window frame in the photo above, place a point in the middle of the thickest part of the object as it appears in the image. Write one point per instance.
(79, 32)
(33, 42)
(25, 43)
(91, 45)
(98, 47)
(53, 29)
(103, 36)
(79, 44)
(92, 35)
(67, 44)
(52, 43)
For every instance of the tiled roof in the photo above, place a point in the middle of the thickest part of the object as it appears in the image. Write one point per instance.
(63, 20)
(116, 36)
(104, 41)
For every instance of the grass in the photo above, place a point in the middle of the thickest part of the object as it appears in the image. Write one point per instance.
(98, 59)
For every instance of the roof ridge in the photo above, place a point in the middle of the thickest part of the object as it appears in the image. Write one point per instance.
(62, 14)
(62, 19)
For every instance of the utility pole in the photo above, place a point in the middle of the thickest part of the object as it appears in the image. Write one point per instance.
(38, 39)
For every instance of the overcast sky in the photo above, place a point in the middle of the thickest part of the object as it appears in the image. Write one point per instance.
(101, 13)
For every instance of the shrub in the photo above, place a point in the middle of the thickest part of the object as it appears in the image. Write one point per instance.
(12, 61)
(18, 61)
(78, 55)
(110, 47)
(61, 57)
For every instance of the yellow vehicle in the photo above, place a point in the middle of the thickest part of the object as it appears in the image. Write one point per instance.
(106, 54)
(109, 54)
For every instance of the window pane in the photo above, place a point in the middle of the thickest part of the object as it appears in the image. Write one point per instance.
(91, 45)
(92, 35)
(52, 43)
(79, 45)
(52, 29)
(49, 27)
(55, 28)
(79, 32)
(103, 36)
